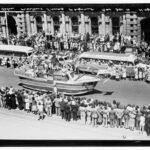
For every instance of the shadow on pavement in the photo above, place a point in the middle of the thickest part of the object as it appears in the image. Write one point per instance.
(109, 93)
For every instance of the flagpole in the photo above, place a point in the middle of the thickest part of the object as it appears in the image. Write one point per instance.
(7, 32)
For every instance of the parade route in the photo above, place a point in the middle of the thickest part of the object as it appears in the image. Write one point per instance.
(123, 91)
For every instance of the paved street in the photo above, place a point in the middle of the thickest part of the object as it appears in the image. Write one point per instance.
(124, 91)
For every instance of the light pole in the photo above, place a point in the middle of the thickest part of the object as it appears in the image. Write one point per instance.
(7, 32)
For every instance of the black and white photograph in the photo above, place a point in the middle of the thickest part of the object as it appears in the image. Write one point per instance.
(71, 71)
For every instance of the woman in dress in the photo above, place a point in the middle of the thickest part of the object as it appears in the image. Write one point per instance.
(142, 123)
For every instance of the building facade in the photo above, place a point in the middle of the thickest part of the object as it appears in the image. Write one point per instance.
(132, 23)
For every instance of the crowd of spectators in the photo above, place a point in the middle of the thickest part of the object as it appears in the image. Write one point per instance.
(88, 111)
(74, 41)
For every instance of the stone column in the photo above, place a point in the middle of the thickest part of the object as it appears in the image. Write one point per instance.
(28, 23)
(82, 23)
(124, 24)
(103, 24)
(63, 30)
(110, 30)
(52, 25)
(48, 24)
(35, 25)
(90, 28)
(3, 21)
(70, 26)
(45, 23)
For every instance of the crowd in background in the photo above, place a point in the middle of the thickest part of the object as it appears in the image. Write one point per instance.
(79, 42)
(88, 111)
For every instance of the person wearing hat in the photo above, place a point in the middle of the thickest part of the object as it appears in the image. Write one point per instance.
(105, 113)
(83, 114)
(142, 123)
(112, 117)
(67, 111)
(94, 115)
(62, 108)
(119, 114)
(89, 114)
(48, 106)
(132, 116)
(34, 105)
(55, 89)
(27, 103)
(74, 110)
(57, 105)
(147, 122)
(40, 110)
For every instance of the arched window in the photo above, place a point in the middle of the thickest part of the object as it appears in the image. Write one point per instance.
(94, 25)
(39, 24)
(56, 24)
(115, 25)
(75, 24)
(12, 29)
(145, 30)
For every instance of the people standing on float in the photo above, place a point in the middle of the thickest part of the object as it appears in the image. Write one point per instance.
(136, 73)
(55, 90)
(124, 74)
(117, 74)
(140, 74)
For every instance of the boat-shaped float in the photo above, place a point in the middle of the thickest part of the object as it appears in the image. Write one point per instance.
(66, 82)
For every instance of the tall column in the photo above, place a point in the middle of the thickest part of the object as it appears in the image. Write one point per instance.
(110, 29)
(52, 25)
(124, 24)
(82, 23)
(48, 24)
(70, 26)
(103, 24)
(35, 25)
(63, 31)
(28, 23)
(99, 25)
(90, 28)
(45, 23)
(3, 20)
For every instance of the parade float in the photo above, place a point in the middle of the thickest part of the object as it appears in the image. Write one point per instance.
(66, 82)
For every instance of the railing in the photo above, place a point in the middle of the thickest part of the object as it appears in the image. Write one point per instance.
(21, 72)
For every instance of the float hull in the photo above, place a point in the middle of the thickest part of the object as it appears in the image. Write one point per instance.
(48, 85)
